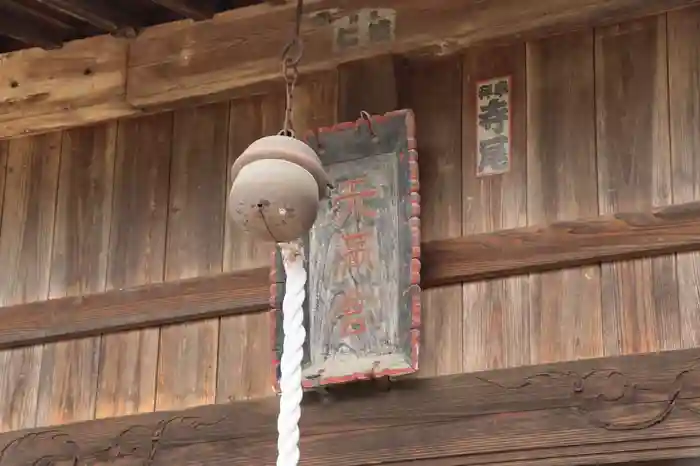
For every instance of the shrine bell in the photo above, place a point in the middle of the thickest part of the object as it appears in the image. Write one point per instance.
(277, 184)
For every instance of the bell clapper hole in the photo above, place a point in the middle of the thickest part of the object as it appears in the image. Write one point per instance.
(287, 132)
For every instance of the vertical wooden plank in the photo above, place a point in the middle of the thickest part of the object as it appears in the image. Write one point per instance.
(566, 320)
(245, 350)
(194, 247)
(316, 102)
(433, 89)
(368, 85)
(68, 378)
(128, 360)
(640, 298)
(26, 240)
(4, 149)
(684, 98)
(496, 320)
(244, 341)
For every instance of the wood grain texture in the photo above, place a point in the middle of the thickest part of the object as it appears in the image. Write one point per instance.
(69, 369)
(363, 255)
(181, 60)
(595, 411)
(496, 314)
(244, 341)
(169, 303)
(566, 320)
(562, 244)
(187, 360)
(26, 242)
(367, 85)
(4, 150)
(475, 257)
(432, 90)
(82, 82)
(128, 360)
(640, 298)
(186, 63)
(684, 98)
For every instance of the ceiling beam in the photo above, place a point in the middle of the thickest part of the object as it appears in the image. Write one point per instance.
(30, 8)
(29, 30)
(532, 249)
(80, 83)
(194, 9)
(596, 411)
(180, 62)
(187, 62)
(101, 14)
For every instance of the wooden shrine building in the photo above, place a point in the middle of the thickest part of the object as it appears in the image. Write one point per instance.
(559, 249)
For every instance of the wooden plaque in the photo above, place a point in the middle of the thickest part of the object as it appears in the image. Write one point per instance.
(493, 126)
(362, 309)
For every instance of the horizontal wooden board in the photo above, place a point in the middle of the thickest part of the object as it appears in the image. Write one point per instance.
(595, 411)
(238, 51)
(182, 61)
(82, 82)
(509, 252)
(563, 244)
(133, 308)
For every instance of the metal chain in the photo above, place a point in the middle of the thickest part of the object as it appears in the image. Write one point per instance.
(291, 56)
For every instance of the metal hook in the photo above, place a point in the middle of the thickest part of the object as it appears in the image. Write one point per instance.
(364, 115)
(289, 132)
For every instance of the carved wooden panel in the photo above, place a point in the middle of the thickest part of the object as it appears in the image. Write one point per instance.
(593, 411)
(362, 312)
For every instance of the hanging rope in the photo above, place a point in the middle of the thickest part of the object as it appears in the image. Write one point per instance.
(292, 354)
(295, 290)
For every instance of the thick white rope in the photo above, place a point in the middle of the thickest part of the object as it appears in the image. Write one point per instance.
(292, 355)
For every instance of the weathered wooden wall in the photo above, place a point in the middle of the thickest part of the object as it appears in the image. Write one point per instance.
(603, 121)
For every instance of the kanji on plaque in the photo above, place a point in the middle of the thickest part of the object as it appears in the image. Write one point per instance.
(350, 202)
(362, 308)
(493, 126)
(352, 318)
(356, 250)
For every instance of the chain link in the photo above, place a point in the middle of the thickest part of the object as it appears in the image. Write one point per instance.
(291, 56)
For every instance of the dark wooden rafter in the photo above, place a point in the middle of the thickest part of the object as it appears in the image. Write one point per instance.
(33, 30)
(194, 9)
(103, 14)
(533, 249)
(35, 10)
(595, 411)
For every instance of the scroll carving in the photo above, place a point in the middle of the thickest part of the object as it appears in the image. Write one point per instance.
(610, 399)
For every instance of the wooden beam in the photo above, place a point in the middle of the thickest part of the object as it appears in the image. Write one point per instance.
(609, 410)
(82, 82)
(194, 9)
(564, 244)
(180, 61)
(112, 311)
(184, 62)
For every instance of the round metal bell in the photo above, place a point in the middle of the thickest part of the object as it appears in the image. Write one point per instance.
(277, 183)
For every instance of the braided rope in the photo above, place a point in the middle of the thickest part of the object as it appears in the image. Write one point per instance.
(292, 354)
